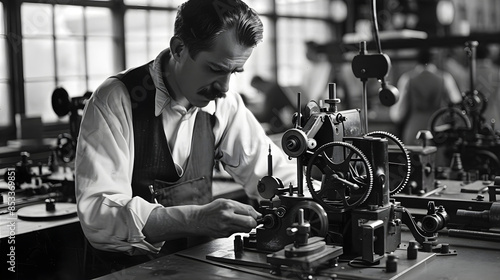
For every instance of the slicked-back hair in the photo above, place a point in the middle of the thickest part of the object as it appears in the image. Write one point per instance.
(199, 22)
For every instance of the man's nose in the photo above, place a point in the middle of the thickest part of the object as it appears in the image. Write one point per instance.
(222, 84)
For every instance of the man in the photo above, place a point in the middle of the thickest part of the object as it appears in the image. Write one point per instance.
(161, 126)
(423, 91)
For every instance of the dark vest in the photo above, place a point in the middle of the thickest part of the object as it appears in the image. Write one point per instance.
(153, 164)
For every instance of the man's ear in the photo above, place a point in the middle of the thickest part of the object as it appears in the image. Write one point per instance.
(176, 47)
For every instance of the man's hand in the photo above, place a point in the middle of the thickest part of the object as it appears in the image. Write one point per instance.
(223, 217)
(219, 218)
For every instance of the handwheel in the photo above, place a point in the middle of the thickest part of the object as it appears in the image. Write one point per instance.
(399, 171)
(315, 214)
(346, 176)
(485, 162)
(446, 122)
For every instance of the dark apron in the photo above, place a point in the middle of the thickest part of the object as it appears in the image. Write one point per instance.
(153, 163)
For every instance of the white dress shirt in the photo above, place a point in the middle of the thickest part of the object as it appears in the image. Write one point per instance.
(110, 217)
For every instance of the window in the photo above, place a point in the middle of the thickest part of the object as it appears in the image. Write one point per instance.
(77, 44)
(64, 46)
(147, 33)
(294, 31)
(160, 3)
(303, 8)
(5, 98)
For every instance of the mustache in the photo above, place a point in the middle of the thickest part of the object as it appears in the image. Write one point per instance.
(211, 93)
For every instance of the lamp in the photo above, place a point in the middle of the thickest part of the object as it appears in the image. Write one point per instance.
(338, 10)
(445, 12)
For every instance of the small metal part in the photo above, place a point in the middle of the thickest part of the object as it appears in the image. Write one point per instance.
(269, 186)
(412, 250)
(280, 212)
(238, 245)
(445, 248)
(153, 193)
(50, 205)
(391, 264)
(427, 246)
(269, 163)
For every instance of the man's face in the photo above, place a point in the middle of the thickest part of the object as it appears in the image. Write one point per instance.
(207, 76)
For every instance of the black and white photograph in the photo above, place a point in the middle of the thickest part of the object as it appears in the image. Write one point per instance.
(249, 139)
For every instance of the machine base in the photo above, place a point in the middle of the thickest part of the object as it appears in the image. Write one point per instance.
(342, 270)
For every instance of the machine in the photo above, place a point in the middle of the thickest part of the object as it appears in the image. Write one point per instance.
(465, 135)
(341, 207)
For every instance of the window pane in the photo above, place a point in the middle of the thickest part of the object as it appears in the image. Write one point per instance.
(69, 20)
(136, 53)
(161, 30)
(74, 87)
(135, 2)
(94, 82)
(292, 35)
(5, 95)
(98, 21)
(157, 46)
(5, 109)
(100, 56)
(260, 6)
(36, 19)
(175, 3)
(161, 23)
(38, 58)
(315, 8)
(69, 64)
(135, 23)
(38, 100)
(147, 34)
(159, 3)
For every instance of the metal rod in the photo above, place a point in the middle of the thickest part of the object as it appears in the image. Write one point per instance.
(364, 111)
(270, 162)
(299, 112)
(300, 178)
(474, 234)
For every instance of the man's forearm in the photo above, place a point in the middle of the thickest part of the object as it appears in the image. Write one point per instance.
(167, 223)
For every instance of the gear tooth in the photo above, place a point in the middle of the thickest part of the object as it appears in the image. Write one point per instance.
(401, 145)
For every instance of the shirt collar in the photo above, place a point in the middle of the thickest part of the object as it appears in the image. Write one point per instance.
(163, 98)
(429, 67)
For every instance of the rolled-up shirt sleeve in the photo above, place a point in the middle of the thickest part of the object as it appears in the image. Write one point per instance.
(110, 217)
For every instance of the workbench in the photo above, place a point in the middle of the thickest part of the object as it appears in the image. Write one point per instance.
(56, 248)
(475, 259)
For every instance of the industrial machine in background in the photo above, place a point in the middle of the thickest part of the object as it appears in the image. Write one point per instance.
(63, 105)
(51, 182)
(469, 142)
